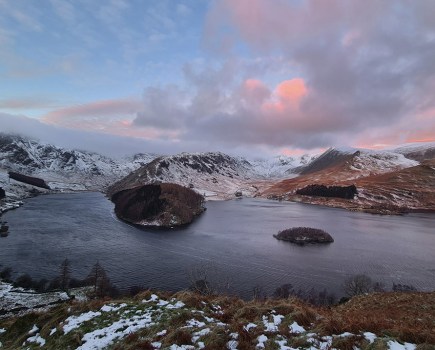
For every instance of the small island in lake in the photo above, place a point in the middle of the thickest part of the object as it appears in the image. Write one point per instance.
(158, 205)
(304, 235)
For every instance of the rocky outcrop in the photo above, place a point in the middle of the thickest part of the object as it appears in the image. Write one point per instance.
(304, 235)
(2, 193)
(160, 205)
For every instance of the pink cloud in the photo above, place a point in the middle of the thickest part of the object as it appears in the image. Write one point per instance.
(68, 116)
(107, 116)
(286, 98)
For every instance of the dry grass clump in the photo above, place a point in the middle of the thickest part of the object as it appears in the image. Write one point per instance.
(216, 340)
(408, 316)
(178, 336)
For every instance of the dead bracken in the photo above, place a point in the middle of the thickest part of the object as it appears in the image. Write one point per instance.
(304, 235)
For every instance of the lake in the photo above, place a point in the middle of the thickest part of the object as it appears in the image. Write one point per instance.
(231, 243)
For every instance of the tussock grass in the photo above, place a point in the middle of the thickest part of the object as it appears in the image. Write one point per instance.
(404, 317)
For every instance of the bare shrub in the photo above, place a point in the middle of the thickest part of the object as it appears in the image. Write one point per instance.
(64, 275)
(357, 285)
(404, 288)
(205, 279)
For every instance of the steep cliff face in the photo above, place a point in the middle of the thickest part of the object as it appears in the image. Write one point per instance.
(162, 205)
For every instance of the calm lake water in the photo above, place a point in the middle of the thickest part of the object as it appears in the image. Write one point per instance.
(232, 241)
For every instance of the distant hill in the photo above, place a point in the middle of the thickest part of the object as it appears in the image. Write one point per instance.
(64, 168)
(387, 182)
(417, 151)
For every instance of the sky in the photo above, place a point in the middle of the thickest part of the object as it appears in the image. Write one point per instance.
(252, 77)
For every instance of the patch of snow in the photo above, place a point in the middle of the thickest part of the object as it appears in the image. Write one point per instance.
(395, 345)
(272, 326)
(53, 330)
(199, 334)
(345, 334)
(152, 298)
(109, 308)
(282, 343)
(156, 344)
(102, 338)
(161, 333)
(36, 339)
(2, 330)
(177, 305)
(249, 326)
(260, 341)
(74, 322)
(232, 344)
(34, 329)
(296, 328)
(194, 323)
(371, 337)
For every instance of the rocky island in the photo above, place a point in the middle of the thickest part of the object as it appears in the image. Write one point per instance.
(304, 235)
(158, 205)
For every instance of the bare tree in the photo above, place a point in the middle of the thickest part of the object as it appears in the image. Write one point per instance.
(258, 293)
(358, 284)
(64, 275)
(206, 280)
(99, 280)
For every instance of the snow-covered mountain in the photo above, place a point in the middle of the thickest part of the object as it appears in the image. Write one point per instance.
(279, 166)
(349, 163)
(419, 151)
(62, 168)
(213, 174)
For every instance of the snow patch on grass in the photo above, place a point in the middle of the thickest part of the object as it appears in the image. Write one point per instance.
(74, 322)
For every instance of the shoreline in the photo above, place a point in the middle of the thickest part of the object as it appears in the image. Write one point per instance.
(352, 205)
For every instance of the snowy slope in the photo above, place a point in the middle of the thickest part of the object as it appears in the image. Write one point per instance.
(369, 162)
(279, 166)
(349, 163)
(213, 174)
(418, 151)
(62, 168)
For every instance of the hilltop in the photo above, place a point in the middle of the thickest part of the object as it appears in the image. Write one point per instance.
(386, 182)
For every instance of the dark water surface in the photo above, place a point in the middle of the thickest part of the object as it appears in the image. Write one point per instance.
(232, 239)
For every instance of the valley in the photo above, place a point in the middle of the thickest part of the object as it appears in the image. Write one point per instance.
(231, 245)
(388, 182)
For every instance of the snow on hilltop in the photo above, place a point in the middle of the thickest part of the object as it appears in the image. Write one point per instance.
(279, 166)
(213, 174)
(349, 163)
(418, 151)
(62, 168)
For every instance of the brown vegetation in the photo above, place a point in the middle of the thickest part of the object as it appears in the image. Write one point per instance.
(34, 181)
(304, 235)
(408, 316)
(164, 205)
(346, 192)
(401, 191)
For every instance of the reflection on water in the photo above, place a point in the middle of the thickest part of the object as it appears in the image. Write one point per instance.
(233, 237)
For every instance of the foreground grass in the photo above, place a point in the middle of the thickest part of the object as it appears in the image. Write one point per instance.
(397, 321)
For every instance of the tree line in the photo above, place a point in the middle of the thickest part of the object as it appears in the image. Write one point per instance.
(97, 279)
